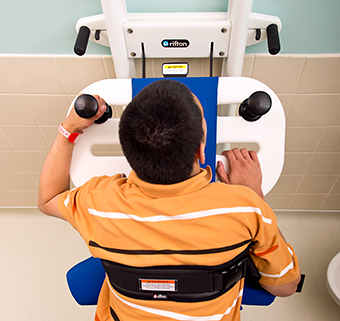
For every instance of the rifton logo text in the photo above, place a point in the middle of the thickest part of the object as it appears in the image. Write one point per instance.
(175, 43)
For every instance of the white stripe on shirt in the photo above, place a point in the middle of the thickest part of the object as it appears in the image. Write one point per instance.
(186, 216)
(67, 200)
(174, 315)
(282, 273)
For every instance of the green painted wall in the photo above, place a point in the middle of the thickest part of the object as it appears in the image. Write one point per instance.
(48, 27)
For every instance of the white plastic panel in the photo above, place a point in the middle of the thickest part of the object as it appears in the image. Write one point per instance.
(268, 132)
(199, 35)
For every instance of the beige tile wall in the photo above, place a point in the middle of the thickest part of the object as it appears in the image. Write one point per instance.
(36, 91)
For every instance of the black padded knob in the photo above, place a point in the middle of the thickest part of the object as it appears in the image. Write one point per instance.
(82, 40)
(273, 39)
(86, 106)
(253, 108)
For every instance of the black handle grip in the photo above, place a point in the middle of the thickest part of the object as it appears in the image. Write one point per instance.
(86, 106)
(82, 40)
(273, 39)
(253, 108)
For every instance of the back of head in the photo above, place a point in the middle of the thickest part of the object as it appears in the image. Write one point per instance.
(160, 132)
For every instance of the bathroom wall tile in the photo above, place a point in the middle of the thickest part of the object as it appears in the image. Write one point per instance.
(18, 181)
(332, 202)
(278, 201)
(248, 64)
(330, 141)
(50, 133)
(286, 101)
(15, 111)
(287, 184)
(79, 72)
(26, 198)
(109, 67)
(324, 164)
(48, 109)
(307, 201)
(10, 162)
(107, 150)
(216, 70)
(156, 67)
(36, 74)
(309, 110)
(336, 188)
(249, 146)
(2, 186)
(6, 199)
(4, 144)
(33, 161)
(199, 67)
(117, 111)
(51, 82)
(317, 184)
(321, 74)
(280, 73)
(7, 81)
(295, 163)
(72, 97)
(303, 139)
(25, 138)
(35, 177)
(149, 68)
(335, 119)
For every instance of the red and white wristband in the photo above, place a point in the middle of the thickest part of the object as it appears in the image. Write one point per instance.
(72, 137)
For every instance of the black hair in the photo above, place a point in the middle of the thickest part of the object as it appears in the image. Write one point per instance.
(160, 132)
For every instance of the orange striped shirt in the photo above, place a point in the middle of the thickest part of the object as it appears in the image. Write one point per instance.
(131, 222)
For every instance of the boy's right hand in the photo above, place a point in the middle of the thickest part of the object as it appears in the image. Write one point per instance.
(244, 169)
(75, 123)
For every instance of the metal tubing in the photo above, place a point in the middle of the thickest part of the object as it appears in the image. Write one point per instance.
(115, 16)
(239, 12)
(239, 15)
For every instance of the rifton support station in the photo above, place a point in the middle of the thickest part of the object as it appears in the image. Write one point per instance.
(178, 35)
(268, 132)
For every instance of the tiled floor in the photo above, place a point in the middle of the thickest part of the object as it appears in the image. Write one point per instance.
(36, 251)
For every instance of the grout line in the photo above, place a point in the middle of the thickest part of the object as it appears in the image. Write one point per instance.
(105, 68)
(61, 79)
(10, 71)
(153, 67)
(331, 117)
(330, 191)
(252, 66)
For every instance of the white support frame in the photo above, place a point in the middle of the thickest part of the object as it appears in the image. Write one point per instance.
(268, 132)
(116, 24)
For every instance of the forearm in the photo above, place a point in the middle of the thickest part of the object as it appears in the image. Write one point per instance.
(54, 178)
(283, 290)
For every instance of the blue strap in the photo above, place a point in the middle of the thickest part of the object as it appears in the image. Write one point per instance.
(205, 88)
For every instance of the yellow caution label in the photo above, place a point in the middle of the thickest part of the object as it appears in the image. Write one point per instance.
(175, 69)
(175, 66)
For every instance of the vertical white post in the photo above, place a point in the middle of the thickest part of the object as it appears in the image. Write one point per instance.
(115, 15)
(239, 15)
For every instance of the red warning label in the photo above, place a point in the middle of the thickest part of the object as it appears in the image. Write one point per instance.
(158, 285)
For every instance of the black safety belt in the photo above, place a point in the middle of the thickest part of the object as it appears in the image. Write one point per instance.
(177, 283)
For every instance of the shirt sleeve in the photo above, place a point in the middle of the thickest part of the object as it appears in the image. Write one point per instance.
(73, 204)
(275, 260)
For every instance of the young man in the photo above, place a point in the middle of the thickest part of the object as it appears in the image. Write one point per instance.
(166, 225)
